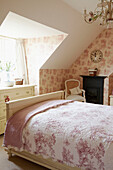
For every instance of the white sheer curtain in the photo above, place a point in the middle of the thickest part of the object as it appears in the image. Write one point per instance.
(7, 58)
(12, 51)
(7, 50)
(21, 61)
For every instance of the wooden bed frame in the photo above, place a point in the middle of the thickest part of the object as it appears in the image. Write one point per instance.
(13, 106)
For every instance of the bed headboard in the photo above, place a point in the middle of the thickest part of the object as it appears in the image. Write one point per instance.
(16, 105)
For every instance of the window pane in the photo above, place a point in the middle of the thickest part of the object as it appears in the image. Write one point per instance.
(8, 56)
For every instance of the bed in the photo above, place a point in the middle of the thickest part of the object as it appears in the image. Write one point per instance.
(71, 135)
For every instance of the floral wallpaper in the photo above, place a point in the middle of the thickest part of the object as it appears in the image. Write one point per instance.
(103, 42)
(38, 50)
(50, 81)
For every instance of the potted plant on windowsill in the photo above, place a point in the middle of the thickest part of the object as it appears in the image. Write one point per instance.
(7, 69)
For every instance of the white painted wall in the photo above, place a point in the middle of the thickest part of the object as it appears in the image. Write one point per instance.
(58, 15)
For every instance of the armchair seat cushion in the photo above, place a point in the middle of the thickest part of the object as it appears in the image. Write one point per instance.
(75, 97)
(75, 90)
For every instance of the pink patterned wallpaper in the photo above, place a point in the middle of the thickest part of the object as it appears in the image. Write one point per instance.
(53, 79)
(38, 50)
(50, 81)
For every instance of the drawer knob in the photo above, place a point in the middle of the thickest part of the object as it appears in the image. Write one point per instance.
(27, 92)
(17, 93)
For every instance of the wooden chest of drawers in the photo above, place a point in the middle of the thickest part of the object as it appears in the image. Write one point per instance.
(12, 93)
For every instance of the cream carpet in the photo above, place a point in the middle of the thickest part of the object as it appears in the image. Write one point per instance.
(15, 162)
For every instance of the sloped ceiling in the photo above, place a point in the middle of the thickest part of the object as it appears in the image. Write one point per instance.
(83, 4)
(58, 15)
(16, 26)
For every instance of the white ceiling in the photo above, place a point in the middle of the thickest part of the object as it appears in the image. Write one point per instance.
(80, 5)
(17, 26)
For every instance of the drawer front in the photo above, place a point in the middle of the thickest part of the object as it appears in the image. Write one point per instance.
(2, 125)
(2, 111)
(25, 92)
(10, 94)
(4, 95)
(17, 93)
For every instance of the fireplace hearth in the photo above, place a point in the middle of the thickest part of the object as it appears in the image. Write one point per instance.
(94, 88)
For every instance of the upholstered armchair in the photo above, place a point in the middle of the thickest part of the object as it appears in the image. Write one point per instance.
(73, 91)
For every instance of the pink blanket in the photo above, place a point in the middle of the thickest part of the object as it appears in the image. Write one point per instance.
(16, 123)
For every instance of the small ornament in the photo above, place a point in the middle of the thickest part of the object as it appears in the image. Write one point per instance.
(7, 99)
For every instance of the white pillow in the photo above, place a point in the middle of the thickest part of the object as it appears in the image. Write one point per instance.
(75, 90)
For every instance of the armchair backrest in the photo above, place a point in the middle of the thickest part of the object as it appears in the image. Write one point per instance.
(69, 84)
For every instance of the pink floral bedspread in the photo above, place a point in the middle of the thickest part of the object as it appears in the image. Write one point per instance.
(17, 122)
(77, 134)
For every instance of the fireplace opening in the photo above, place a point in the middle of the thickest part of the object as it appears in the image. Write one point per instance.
(92, 95)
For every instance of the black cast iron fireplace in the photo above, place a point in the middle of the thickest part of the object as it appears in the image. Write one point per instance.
(94, 88)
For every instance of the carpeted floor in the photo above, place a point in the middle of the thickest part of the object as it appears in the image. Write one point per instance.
(15, 162)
